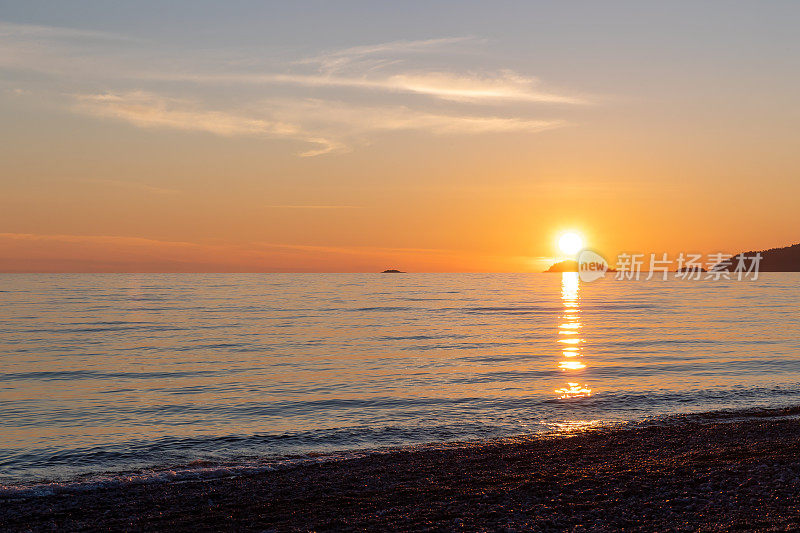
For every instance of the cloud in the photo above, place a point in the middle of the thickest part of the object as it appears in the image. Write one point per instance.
(339, 59)
(350, 120)
(256, 248)
(97, 239)
(505, 86)
(384, 67)
(409, 90)
(29, 252)
(148, 110)
(10, 30)
(334, 124)
(376, 67)
(63, 52)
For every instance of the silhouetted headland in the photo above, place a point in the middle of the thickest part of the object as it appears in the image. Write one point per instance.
(392, 271)
(786, 259)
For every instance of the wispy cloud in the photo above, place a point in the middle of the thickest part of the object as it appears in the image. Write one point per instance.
(379, 54)
(31, 252)
(318, 100)
(149, 110)
(13, 30)
(505, 86)
(63, 52)
(375, 67)
(335, 124)
(256, 248)
(370, 67)
(359, 120)
(99, 239)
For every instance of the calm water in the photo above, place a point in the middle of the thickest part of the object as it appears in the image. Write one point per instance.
(117, 372)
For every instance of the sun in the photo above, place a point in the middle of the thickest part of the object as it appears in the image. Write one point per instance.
(570, 243)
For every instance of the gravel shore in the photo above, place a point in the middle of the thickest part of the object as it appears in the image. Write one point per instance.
(685, 476)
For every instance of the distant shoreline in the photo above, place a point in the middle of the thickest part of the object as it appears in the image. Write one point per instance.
(718, 475)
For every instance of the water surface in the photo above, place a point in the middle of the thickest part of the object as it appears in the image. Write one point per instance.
(113, 372)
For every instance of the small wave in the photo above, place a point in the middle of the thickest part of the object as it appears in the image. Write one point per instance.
(380, 308)
(724, 415)
(420, 337)
(520, 310)
(91, 375)
(203, 470)
(100, 329)
(146, 477)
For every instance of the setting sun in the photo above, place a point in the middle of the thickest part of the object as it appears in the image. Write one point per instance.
(570, 243)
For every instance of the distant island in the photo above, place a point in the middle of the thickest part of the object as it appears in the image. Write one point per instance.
(392, 271)
(786, 259)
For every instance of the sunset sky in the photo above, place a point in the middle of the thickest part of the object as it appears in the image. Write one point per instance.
(426, 136)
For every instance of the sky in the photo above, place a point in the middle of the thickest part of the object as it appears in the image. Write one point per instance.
(194, 136)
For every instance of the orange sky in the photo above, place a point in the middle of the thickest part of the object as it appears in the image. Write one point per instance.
(467, 144)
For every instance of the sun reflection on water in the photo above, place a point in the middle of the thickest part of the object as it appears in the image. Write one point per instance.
(569, 327)
(576, 426)
(574, 390)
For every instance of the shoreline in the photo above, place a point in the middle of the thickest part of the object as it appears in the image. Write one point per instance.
(735, 474)
(208, 469)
